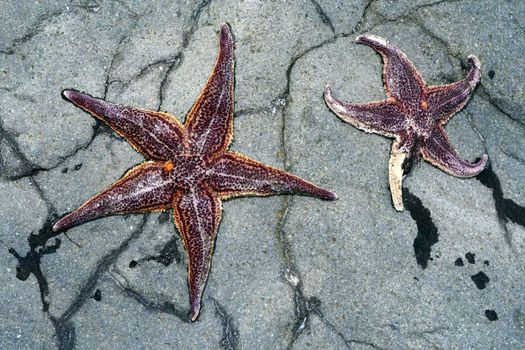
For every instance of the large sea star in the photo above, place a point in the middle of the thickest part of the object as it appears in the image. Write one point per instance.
(413, 114)
(190, 168)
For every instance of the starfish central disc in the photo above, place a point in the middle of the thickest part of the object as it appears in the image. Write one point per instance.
(188, 170)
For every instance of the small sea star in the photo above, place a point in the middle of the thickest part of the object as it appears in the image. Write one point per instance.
(413, 114)
(190, 168)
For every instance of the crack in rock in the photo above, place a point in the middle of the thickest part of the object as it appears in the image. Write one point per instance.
(168, 254)
(506, 209)
(178, 59)
(166, 307)
(322, 14)
(230, 333)
(30, 263)
(35, 29)
(64, 328)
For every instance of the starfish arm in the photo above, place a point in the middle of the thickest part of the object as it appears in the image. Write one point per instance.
(210, 121)
(395, 175)
(147, 187)
(197, 213)
(445, 100)
(402, 80)
(157, 135)
(234, 174)
(439, 152)
(381, 117)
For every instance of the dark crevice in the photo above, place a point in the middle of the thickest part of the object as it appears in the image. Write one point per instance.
(446, 47)
(512, 155)
(506, 209)
(290, 272)
(27, 166)
(149, 67)
(30, 169)
(359, 26)
(427, 232)
(493, 102)
(282, 99)
(251, 111)
(64, 334)
(434, 4)
(315, 307)
(168, 254)
(166, 307)
(88, 7)
(303, 307)
(172, 67)
(230, 333)
(30, 263)
(322, 14)
(291, 275)
(178, 59)
(127, 7)
(35, 29)
(164, 217)
(64, 328)
(408, 15)
(116, 54)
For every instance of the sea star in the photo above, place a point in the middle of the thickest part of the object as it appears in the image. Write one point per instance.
(413, 114)
(190, 168)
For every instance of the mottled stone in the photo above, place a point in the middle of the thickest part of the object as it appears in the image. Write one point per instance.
(22, 211)
(353, 260)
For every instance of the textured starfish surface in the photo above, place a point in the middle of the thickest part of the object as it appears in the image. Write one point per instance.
(190, 168)
(413, 114)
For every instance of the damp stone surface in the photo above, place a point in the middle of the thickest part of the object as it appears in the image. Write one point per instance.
(288, 272)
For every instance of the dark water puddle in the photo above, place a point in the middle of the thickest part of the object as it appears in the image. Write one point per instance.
(427, 232)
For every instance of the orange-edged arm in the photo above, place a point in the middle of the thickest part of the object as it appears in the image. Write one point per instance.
(210, 121)
(144, 188)
(234, 174)
(197, 215)
(157, 135)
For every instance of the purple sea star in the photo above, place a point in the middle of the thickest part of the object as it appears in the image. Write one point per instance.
(190, 168)
(413, 114)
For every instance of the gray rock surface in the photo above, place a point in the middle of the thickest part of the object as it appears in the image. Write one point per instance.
(288, 272)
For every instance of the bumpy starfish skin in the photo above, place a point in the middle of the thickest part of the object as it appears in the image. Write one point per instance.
(190, 167)
(413, 114)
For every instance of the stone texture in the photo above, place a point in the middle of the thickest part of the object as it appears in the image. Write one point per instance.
(287, 272)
